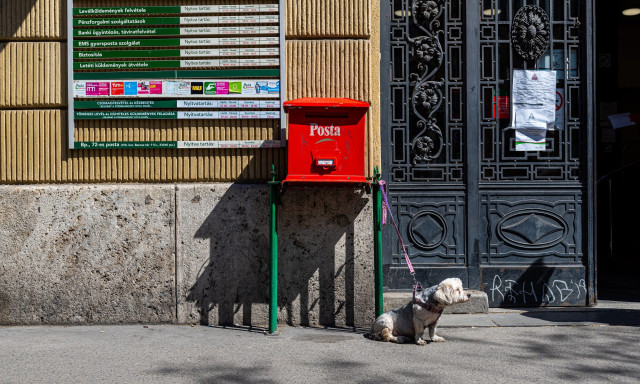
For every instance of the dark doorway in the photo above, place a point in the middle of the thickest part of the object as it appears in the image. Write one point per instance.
(618, 150)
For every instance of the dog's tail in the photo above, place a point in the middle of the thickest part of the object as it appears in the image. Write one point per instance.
(384, 335)
(370, 335)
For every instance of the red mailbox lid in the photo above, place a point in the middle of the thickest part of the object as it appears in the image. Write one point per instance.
(325, 102)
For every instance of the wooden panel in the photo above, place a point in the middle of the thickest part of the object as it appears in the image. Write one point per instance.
(33, 149)
(328, 18)
(328, 68)
(33, 75)
(32, 19)
(340, 68)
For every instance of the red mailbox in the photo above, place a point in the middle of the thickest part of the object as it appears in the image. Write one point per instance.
(326, 140)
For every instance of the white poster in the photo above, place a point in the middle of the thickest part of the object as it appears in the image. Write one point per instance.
(533, 98)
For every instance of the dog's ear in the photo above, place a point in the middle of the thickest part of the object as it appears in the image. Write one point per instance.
(443, 294)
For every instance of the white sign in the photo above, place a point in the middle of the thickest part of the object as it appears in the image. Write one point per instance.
(533, 100)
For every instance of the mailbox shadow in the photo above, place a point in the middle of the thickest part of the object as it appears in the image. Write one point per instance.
(316, 266)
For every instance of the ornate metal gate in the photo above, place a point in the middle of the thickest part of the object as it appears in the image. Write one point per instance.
(516, 224)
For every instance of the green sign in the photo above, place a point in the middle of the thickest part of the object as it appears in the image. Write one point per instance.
(125, 104)
(126, 43)
(184, 31)
(190, 20)
(180, 74)
(125, 10)
(193, 63)
(139, 10)
(80, 115)
(125, 22)
(125, 54)
(127, 64)
(144, 31)
(193, 42)
(125, 144)
(247, 144)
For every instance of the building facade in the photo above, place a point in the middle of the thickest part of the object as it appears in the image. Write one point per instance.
(182, 234)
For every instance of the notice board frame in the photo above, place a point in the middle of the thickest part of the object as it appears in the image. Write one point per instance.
(209, 144)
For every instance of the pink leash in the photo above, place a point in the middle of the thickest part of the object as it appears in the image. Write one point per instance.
(383, 187)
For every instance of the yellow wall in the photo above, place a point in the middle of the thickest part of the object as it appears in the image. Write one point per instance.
(332, 50)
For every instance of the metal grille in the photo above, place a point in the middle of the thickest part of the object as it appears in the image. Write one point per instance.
(468, 204)
(560, 162)
(426, 119)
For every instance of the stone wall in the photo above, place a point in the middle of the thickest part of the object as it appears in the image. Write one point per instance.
(191, 254)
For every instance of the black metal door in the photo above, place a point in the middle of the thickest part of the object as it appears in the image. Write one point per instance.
(516, 224)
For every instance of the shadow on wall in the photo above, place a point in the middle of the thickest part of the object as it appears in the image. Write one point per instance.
(537, 284)
(317, 280)
(14, 14)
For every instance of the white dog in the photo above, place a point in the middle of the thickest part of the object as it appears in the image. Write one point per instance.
(410, 321)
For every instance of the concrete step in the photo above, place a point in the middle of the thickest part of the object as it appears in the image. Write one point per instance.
(478, 303)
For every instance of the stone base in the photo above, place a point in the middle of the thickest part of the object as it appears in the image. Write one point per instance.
(478, 303)
(188, 254)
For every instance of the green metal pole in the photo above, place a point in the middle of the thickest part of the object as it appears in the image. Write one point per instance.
(273, 275)
(377, 246)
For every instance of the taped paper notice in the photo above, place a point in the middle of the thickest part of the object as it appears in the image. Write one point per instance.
(533, 100)
(531, 139)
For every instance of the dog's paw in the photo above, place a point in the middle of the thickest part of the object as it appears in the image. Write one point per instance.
(437, 339)
(421, 342)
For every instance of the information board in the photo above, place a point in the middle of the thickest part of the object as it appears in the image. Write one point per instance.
(219, 61)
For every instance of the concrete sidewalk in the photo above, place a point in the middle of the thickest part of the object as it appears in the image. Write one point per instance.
(184, 354)
(607, 312)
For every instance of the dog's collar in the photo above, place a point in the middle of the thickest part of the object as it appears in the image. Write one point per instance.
(427, 306)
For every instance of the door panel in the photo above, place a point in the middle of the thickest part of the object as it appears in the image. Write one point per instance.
(467, 203)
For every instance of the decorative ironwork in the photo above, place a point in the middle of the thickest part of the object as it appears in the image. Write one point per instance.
(466, 201)
(530, 32)
(532, 228)
(544, 225)
(561, 162)
(427, 94)
(427, 230)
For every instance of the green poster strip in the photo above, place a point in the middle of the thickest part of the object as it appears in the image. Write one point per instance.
(143, 31)
(127, 64)
(193, 63)
(125, 144)
(125, 22)
(125, 54)
(232, 41)
(227, 30)
(218, 144)
(125, 10)
(126, 43)
(136, 115)
(125, 104)
(187, 9)
(182, 74)
(224, 53)
(190, 20)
